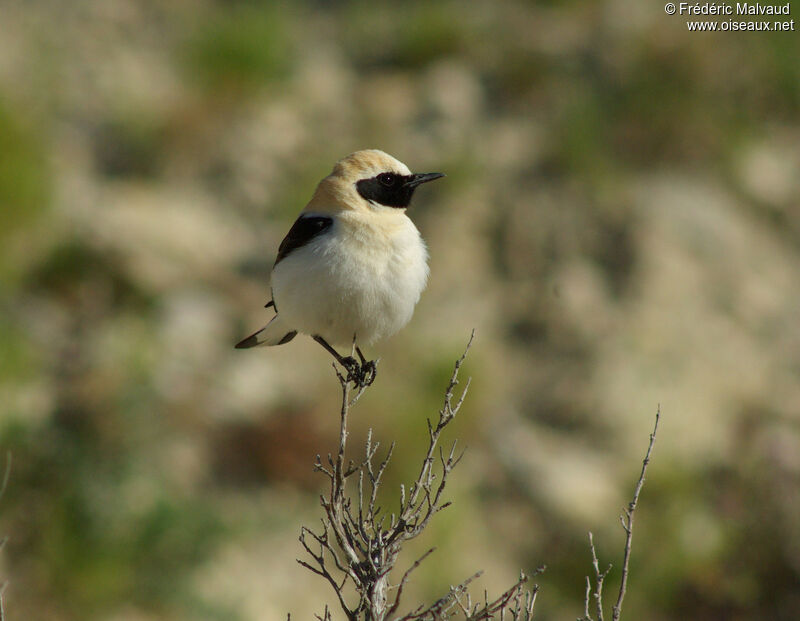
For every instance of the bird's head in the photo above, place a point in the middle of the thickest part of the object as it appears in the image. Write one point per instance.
(370, 180)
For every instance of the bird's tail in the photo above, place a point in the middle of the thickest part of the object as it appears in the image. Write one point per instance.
(274, 333)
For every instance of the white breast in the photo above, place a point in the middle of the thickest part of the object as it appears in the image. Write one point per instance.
(362, 277)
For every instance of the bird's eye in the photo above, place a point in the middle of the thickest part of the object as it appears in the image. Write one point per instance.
(387, 179)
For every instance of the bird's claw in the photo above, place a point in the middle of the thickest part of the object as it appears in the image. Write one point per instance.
(362, 374)
(369, 371)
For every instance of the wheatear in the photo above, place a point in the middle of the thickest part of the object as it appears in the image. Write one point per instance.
(353, 265)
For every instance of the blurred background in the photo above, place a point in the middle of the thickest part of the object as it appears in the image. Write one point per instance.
(620, 222)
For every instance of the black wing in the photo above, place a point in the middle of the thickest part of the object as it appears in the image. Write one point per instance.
(303, 231)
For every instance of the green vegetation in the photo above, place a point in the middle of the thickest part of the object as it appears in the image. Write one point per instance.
(238, 49)
(24, 171)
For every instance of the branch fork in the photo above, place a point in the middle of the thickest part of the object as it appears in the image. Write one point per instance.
(358, 544)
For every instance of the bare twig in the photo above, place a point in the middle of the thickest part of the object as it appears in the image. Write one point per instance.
(515, 594)
(599, 577)
(442, 606)
(586, 599)
(626, 519)
(403, 581)
(359, 542)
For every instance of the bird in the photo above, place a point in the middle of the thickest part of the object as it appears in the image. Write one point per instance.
(353, 265)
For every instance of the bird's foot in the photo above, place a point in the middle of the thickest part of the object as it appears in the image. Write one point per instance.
(369, 371)
(362, 374)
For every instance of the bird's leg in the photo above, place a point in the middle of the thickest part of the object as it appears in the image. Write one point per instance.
(362, 374)
(348, 362)
(368, 368)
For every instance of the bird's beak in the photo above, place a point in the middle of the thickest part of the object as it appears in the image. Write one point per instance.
(419, 178)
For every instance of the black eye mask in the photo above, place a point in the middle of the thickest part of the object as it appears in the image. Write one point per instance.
(392, 189)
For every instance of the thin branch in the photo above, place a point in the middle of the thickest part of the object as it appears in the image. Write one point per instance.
(404, 580)
(587, 598)
(411, 508)
(355, 542)
(501, 603)
(627, 521)
(441, 605)
(600, 577)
